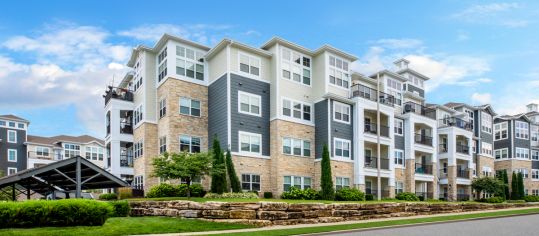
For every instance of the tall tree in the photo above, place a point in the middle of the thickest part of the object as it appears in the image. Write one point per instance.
(521, 192)
(326, 180)
(186, 166)
(514, 187)
(506, 182)
(233, 178)
(499, 177)
(488, 185)
(218, 174)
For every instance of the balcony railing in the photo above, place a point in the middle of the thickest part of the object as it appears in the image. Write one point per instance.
(45, 156)
(126, 160)
(371, 128)
(442, 196)
(371, 162)
(374, 192)
(363, 91)
(419, 109)
(455, 122)
(126, 127)
(463, 197)
(463, 173)
(423, 139)
(464, 149)
(423, 169)
(442, 148)
(443, 173)
(118, 93)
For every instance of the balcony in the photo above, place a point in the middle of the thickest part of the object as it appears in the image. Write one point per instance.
(442, 148)
(455, 122)
(363, 91)
(126, 127)
(118, 93)
(126, 160)
(371, 128)
(463, 173)
(464, 149)
(374, 192)
(424, 195)
(463, 197)
(423, 139)
(423, 169)
(412, 107)
(46, 156)
(372, 162)
(443, 174)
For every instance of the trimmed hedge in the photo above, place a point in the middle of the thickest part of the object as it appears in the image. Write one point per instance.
(495, 200)
(58, 213)
(531, 198)
(298, 194)
(169, 190)
(120, 208)
(245, 195)
(268, 195)
(369, 197)
(108, 196)
(349, 194)
(407, 196)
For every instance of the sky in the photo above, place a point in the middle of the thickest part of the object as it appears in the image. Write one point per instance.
(57, 57)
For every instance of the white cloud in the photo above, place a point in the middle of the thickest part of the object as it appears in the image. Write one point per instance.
(115, 66)
(480, 11)
(197, 32)
(399, 43)
(502, 14)
(7, 66)
(481, 98)
(463, 36)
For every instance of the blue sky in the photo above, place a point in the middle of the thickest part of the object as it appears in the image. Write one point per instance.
(56, 57)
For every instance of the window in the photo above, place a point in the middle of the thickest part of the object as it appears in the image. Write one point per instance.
(11, 170)
(399, 157)
(71, 150)
(138, 182)
(137, 115)
(486, 122)
(196, 180)
(249, 103)
(338, 72)
(12, 155)
(94, 153)
(486, 148)
(535, 192)
(535, 155)
(249, 65)
(522, 130)
(535, 133)
(523, 171)
(250, 143)
(250, 182)
(341, 148)
(11, 124)
(399, 187)
(341, 112)
(486, 171)
(342, 182)
(137, 83)
(399, 127)
(188, 63)
(20, 125)
(162, 144)
(535, 174)
(296, 110)
(296, 67)
(189, 144)
(189, 107)
(297, 147)
(12, 136)
(296, 181)
(42, 151)
(162, 62)
(2, 123)
(138, 149)
(501, 153)
(500, 131)
(162, 107)
(522, 153)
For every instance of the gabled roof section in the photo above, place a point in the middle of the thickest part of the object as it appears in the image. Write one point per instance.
(422, 76)
(389, 73)
(222, 45)
(335, 51)
(488, 108)
(13, 118)
(514, 117)
(51, 141)
(307, 51)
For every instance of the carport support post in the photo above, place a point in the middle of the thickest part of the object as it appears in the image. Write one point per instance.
(27, 192)
(13, 192)
(77, 194)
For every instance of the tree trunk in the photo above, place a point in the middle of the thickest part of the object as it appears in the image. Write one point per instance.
(188, 180)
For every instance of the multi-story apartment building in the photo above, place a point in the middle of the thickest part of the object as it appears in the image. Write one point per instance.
(46, 150)
(12, 149)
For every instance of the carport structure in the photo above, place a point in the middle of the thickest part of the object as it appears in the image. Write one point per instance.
(73, 174)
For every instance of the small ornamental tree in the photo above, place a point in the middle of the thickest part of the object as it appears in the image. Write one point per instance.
(233, 178)
(326, 180)
(488, 185)
(506, 182)
(218, 173)
(499, 177)
(521, 192)
(186, 166)
(514, 187)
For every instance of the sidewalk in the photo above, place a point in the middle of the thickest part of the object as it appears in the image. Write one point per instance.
(284, 227)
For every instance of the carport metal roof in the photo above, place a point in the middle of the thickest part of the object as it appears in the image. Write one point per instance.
(73, 174)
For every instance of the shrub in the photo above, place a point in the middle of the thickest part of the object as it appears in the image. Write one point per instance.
(531, 198)
(163, 190)
(124, 193)
(435, 200)
(296, 193)
(327, 192)
(421, 198)
(197, 190)
(108, 196)
(481, 200)
(245, 195)
(120, 208)
(516, 201)
(59, 213)
(268, 195)
(407, 196)
(495, 200)
(349, 194)
(369, 197)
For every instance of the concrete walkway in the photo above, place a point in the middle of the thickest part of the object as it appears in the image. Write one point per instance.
(284, 227)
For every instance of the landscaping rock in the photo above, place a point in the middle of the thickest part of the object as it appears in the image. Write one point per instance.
(242, 214)
(272, 215)
(190, 213)
(306, 206)
(273, 206)
(216, 214)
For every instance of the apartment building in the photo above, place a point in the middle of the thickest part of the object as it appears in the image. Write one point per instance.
(12, 149)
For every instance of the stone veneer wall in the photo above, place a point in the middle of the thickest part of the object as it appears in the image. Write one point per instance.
(280, 213)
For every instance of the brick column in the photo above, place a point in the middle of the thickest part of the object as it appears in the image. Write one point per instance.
(436, 186)
(452, 183)
(391, 191)
(409, 176)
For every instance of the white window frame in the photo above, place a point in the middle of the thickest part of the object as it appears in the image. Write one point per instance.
(15, 151)
(401, 157)
(11, 133)
(535, 174)
(138, 149)
(190, 100)
(486, 151)
(192, 60)
(251, 182)
(342, 108)
(486, 122)
(43, 151)
(292, 141)
(522, 153)
(398, 124)
(522, 132)
(302, 110)
(338, 70)
(501, 151)
(524, 172)
(342, 141)
(250, 136)
(162, 144)
(9, 169)
(251, 58)
(340, 182)
(93, 151)
(138, 115)
(501, 128)
(250, 97)
(70, 150)
(288, 63)
(302, 181)
(190, 145)
(399, 189)
(162, 108)
(535, 155)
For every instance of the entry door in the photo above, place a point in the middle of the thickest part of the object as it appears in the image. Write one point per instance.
(368, 186)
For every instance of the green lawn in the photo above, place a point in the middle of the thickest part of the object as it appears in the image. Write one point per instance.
(320, 229)
(128, 226)
(199, 199)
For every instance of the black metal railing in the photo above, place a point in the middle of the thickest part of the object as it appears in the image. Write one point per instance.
(126, 160)
(126, 127)
(363, 91)
(423, 139)
(424, 195)
(419, 109)
(455, 122)
(374, 192)
(371, 128)
(442, 196)
(463, 173)
(423, 169)
(442, 148)
(463, 197)
(118, 93)
(464, 149)
(372, 162)
(45, 155)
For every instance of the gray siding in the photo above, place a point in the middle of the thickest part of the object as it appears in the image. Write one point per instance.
(342, 130)
(535, 164)
(19, 146)
(504, 143)
(321, 128)
(217, 110)
(250, 123)
(399, 142)
(476, 127)
(412, 89)
(521, 143)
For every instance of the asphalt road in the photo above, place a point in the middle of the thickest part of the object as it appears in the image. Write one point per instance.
(513, 226)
